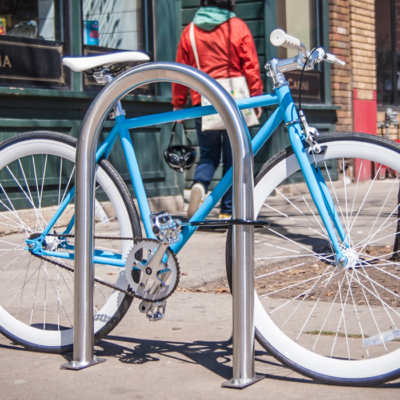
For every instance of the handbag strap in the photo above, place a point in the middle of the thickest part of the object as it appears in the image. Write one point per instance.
(173, 134)
(193, 43)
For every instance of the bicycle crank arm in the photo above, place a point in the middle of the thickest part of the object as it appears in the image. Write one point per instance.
(145, 306)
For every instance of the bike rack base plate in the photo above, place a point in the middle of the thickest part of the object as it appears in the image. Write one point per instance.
(76, 365)
(242, 383)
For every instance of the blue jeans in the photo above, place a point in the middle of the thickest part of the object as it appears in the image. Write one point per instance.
(211, 143)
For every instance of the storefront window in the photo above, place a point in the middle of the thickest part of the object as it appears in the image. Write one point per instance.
(115, 24)
(387, 26)
(31, 19)
(299, 18)
(31, 44)
(110, 25)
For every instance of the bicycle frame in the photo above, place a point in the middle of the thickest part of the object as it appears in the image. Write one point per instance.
(286, 111)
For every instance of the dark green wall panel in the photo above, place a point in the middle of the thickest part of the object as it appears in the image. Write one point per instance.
(247, 11)
(26, 110)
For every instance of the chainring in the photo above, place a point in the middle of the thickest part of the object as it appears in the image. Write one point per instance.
(148, 283)
(128, 291)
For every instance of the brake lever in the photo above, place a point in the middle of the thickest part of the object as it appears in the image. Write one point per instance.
(315, 57)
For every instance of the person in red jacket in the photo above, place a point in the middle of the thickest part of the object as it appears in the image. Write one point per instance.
(226, 50)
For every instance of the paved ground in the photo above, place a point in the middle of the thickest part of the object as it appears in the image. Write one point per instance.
(187, 355)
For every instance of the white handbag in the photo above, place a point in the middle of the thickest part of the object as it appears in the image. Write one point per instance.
(236, 87)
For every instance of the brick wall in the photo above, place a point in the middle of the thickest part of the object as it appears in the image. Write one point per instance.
(352, 39)
(339, 38)
(362, 43)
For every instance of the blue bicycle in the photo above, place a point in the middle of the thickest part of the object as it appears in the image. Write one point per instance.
(328, 301)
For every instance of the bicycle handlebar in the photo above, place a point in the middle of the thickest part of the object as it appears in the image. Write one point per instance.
(279, 37)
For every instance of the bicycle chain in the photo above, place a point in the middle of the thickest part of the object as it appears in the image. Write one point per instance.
(129, 291)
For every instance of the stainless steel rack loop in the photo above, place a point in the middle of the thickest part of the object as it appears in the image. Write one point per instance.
(243, 276)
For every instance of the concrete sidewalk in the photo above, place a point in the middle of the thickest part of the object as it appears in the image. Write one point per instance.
(186, 355)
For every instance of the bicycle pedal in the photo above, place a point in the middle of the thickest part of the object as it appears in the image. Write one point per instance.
(156, 311)
(165, 228)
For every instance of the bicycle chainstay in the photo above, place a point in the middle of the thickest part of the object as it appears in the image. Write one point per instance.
(129, 291)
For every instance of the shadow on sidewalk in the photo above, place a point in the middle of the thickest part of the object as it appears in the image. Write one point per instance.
(215, 356)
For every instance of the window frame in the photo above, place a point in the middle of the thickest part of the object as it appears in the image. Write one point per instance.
(322, 26)
(147, 12)
(88, 84)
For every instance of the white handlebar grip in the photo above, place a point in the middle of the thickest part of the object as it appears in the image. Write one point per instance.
(278, 38)
(340, 62)
(331, 58)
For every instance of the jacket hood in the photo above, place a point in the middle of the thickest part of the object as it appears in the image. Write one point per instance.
(208, 18)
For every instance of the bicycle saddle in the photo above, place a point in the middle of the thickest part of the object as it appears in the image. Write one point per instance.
(80, 64)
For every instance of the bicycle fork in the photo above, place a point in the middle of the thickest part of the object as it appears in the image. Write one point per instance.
(313, 177)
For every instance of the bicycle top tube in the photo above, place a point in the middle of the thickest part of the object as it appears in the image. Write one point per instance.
(196, 112)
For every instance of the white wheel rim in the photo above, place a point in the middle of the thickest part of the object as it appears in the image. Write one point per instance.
(61, 338)
(265, 325)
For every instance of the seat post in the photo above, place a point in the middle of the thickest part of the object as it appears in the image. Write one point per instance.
(104, 77)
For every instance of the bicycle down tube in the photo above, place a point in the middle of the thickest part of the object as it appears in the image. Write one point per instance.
(286, 111)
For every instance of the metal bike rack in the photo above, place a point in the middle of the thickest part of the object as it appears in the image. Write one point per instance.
(243, 235)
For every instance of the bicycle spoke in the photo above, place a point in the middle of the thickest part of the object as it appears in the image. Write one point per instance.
(384, 307)
(380, 211)
(23, 287)
(293, 285)
(278, 247)
(370, 309)
(326, 318)
(68, 182)
(104, 222)
(35, 294)
(55, 291)
(12, 211)
(355, 192)
(297, 244)
(385, 272)
(373, 282)
(378, 240)
(308, 206)
(342, 318)
(12, 262)
(20, 289)
(381, 228)
(303, 294)
(41, 190)
(336, 197)
(355, 309)
(280, 270)
(296, 208)
(30, 194)
(316, 284)
(294, 220)
(365, 197)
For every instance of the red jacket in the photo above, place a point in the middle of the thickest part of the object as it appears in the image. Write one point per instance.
(216, 60)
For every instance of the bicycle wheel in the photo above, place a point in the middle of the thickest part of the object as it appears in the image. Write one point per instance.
(338, 326)
(37, 170)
